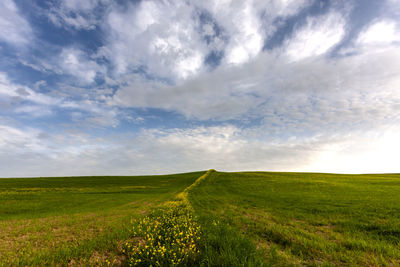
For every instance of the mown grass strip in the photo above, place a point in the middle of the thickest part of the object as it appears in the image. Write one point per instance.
(221, 244)
(169, 236)
(174, 236)
(183, 196)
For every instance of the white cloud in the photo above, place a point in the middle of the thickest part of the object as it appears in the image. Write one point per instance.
(14, 29)
(285, 8)
(392, 7)
(77, 5)
(168, 39)
(197, 98)
(383, 33)
(43, 153)
(162, 38)
(317, 37)
(177, 150)
(75, 14)
(220, 147)
(247, 38)
(314, 112)
(33, 110)
(310, 109)
(16, 141)
(311, 93)
(23, 100)
(76, 63)
(17, 93)
(248, 23)
(151, 152)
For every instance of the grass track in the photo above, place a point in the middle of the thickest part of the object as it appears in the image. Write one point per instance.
(247, 219)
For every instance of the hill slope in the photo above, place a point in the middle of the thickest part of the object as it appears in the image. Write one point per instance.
(306, 218)
(246, 219)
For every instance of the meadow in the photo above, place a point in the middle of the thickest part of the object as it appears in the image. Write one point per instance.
(76, 220)
(302, 219)
(202, 219)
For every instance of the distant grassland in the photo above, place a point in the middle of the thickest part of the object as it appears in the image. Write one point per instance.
(246, 219)
(76, 220)
(311, 219)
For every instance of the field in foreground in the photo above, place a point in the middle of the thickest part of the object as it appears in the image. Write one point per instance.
(76, 220)
(247, 219)
(297, 219)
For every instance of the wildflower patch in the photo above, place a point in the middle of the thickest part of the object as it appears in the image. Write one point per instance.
(169, 236)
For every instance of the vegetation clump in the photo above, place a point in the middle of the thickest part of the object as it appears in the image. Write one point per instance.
(168, 237)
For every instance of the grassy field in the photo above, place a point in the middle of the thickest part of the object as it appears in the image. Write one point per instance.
(297, 219)
(246, 219)
(76, 220)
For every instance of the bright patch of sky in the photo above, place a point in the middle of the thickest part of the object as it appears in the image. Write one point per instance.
(106, 87)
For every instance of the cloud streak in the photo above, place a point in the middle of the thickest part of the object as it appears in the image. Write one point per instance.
(14, 29)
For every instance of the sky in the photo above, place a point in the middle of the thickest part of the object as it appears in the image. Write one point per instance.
(102, 87)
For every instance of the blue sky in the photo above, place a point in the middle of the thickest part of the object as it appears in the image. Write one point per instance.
(104, 87)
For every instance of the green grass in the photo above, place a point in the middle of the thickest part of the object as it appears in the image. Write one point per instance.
(246, 219)
(308, 219)
(79, 220)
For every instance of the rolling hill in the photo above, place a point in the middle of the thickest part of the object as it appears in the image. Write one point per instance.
(246, 218)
